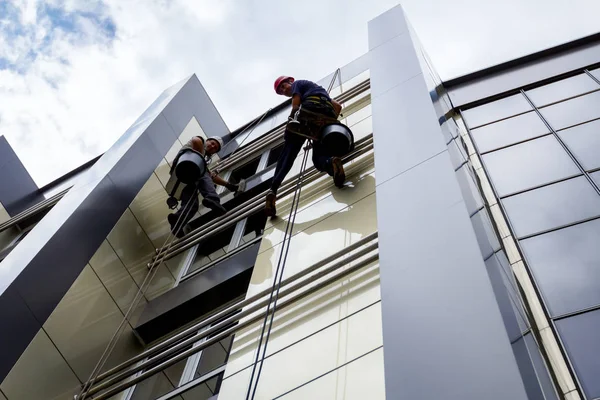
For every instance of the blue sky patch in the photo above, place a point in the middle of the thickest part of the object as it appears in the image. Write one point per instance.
(59, 20)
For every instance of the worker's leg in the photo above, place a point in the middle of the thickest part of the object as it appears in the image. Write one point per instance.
(332, 165)
(210, 197)
(291, 147)
(187, 210)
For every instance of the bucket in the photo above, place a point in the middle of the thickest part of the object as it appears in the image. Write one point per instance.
(190, 167)
(337, 139)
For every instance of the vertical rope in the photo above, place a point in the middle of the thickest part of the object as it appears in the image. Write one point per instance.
(153, 268)
(274, 295)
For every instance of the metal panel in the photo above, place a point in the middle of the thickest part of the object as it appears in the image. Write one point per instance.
(45, 264)
(430, 264)
(18, 191)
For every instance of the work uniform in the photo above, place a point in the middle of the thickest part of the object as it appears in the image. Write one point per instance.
(204, 185)
(313, 98)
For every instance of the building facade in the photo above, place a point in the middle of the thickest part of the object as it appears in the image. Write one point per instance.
(458, 262)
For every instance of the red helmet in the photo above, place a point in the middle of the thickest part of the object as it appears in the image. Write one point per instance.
(280, 80)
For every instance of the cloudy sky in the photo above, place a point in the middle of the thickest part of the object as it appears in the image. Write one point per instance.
(74, 74)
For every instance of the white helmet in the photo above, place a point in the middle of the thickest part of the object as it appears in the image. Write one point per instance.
(218, 140)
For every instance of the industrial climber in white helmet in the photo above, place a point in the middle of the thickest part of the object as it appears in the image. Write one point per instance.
(205, 185)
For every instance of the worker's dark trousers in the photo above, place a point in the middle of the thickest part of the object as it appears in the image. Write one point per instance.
(292, 146)
(189, 198)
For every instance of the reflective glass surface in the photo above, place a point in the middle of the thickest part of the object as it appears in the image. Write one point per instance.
(540, 368)
(584, 142)
(565, 266)
(496, 110)
(528, 164)
(596, 73)
(562, 89)
(552, 206)
(574, 111)
(509, 131)
(582, 342)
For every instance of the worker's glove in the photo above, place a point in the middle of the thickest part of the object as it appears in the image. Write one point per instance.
(236, 188)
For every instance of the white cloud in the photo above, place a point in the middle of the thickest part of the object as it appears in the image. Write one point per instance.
(84, 88)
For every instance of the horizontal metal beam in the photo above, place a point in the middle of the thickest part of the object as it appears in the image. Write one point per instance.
(185, 354)
(248, 208)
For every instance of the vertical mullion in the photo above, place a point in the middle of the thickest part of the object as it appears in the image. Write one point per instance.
(264, 159)
(240, 227)
(591, 76)
(187, 263)
(192, 362)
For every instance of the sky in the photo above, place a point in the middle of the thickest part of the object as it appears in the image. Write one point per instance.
(75, 74)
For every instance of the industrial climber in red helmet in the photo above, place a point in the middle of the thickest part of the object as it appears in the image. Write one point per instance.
(315, 98)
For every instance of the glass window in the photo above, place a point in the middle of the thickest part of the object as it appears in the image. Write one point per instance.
(552, 206)
(485, 234)
(562, 89)
(541, 368)
(582, 342)
(573, 112)
(566, 265)
(529, 164)
(530, 380)
(509, 131)
(584, 142)
(496, 110)
(596, 73)
(503, 298)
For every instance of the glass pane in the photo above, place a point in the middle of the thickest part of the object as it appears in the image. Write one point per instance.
(529, 164)
(562, 90)
(503, 298)
(572, 112)
(582, 342)
(532, 386)
(584, 142)
(540, 368)
(496, 110)
(509, 131)
(596, 73)
(484, 232)
(552, 206)
(566, 264)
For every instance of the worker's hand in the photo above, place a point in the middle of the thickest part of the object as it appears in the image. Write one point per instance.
(213, 174)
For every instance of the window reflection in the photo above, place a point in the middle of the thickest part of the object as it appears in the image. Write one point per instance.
(565, 264)
(552, 206)
(496, 110)
(582, 342)
(562, 89)
(584, 142)
(509, 131)
(574, 111)
(528, 165)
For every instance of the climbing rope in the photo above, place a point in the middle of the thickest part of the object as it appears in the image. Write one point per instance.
(274, 295)
(153, 268)
(278, 277)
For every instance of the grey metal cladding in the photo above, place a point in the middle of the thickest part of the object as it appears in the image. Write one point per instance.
(46, 263)
(438, 342)
(18, 191)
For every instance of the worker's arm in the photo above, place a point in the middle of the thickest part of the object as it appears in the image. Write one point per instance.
(198, 144)
(337, 107)
(296, 101)
(222, 182)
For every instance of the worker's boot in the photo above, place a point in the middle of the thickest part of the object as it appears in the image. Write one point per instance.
(172, 218)
(215, 206)
(270, 204)
(339, 176)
